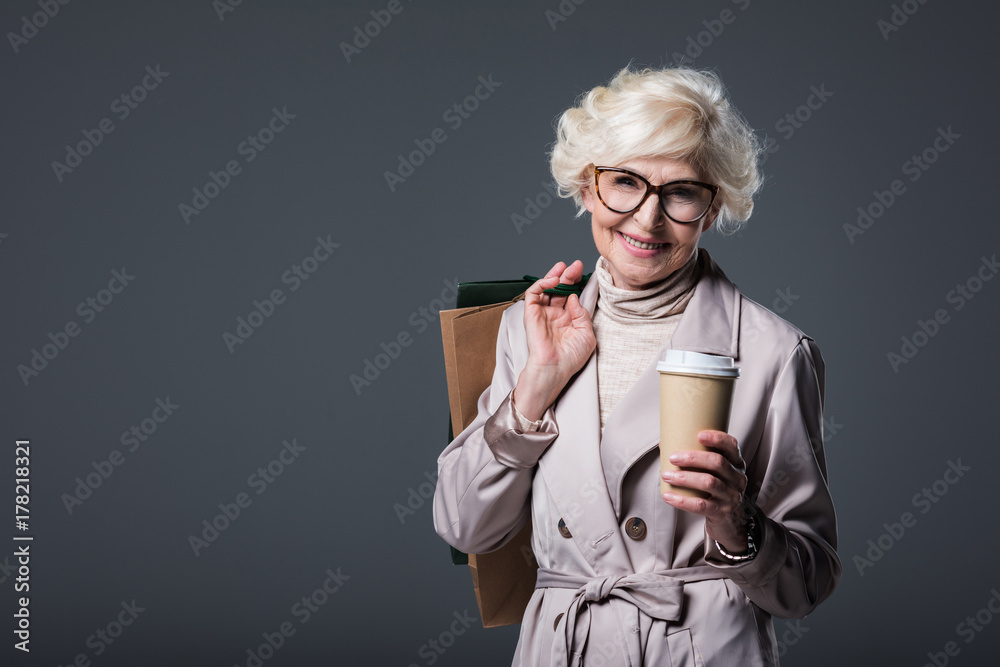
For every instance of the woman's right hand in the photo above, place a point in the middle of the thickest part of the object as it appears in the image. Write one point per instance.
(560, 340)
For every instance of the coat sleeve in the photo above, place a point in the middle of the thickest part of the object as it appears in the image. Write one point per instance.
(482, 499)
(797, 566)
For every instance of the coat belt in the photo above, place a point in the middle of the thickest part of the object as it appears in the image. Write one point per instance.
(657, 594)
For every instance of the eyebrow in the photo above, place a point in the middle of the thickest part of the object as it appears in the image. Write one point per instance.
(672, 180)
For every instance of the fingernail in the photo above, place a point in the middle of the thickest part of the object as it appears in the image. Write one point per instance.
(675, 458)
(667, 475)
(705, 437)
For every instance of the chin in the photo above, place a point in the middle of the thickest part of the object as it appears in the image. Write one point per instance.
(637, 280)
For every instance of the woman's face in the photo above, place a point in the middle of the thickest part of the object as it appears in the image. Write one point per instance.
(674, 243)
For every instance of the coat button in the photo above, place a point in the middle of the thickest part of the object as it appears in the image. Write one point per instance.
(556, 624)
(635, 528)
(563, 530)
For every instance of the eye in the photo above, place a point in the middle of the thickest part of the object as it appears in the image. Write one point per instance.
(684, 193)
(625, 181)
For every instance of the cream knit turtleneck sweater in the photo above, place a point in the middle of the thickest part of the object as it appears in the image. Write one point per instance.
(632, 326)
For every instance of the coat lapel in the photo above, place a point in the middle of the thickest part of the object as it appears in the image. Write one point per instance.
(711, 321)
(573, 473)
(710, 324)
(582, 471)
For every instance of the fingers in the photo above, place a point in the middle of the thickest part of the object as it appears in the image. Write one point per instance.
(572, 274)
(700, 506)
(551, 279)
(558, 274)
(712, 464)
(722, 514)
(715, 486)
(723, 443)
(726, 517)
(557, 270)
(720, 447)
(719, 471)
(720, 506)
(566, 275)
(579, 314)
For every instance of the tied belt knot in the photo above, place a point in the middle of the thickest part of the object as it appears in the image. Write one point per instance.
(659, 595)
(597, 589)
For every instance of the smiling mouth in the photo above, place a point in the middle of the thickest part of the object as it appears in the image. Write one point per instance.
(641, 244)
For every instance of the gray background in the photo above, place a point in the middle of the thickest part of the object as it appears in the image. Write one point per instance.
(890, 433)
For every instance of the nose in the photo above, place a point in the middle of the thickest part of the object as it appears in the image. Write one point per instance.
(650, 215)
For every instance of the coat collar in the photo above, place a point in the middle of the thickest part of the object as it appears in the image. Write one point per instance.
(710, 323)
(583, 471)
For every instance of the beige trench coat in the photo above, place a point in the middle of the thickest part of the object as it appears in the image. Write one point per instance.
(630, 580)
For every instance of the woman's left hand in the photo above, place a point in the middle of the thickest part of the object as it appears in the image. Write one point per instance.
(721, 473)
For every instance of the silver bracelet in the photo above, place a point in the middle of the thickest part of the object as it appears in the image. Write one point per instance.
(751, 545)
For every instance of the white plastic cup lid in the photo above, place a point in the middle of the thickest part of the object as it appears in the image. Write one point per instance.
(682, 361)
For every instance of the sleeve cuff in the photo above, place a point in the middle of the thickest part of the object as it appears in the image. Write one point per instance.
(760, 569)
(511, 444)
(526, 425)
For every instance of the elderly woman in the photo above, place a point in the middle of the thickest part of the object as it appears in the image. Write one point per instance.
(567, 433)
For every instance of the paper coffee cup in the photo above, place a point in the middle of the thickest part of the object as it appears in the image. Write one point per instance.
(696, 394)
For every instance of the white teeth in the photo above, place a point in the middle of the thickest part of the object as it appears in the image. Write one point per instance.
(640, 244)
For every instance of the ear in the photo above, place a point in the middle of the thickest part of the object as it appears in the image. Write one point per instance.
(589, 197)
(710, 217)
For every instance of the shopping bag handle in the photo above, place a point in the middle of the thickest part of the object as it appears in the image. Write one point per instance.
(561, 289)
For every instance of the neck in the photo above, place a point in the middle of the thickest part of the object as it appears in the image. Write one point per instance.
(665, 298)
